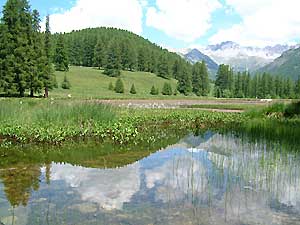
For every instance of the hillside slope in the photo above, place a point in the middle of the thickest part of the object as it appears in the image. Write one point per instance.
(288, 64)
(91, 83)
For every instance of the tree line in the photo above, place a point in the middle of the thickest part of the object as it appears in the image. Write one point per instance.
(229, 84)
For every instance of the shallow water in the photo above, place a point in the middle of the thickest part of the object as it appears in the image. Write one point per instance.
(207, 179)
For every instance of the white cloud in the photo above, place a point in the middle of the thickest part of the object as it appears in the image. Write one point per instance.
(185, 20)
(267, 22)
(124, 14)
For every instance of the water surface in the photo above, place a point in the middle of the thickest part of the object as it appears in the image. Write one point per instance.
(208, 179)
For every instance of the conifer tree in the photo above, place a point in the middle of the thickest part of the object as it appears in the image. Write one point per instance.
(66, 83)
(167, 89)
(163, 67)
(113, 61)
(184, 80)
(297, 88)
(16, 49)
(99, 54)
(154, 91)
(48, 77)
(119, 87)
(132, 90)
(111, 86)
(60, 58)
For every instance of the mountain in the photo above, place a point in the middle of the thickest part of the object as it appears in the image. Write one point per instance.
(288, 64)
(243, 58)
(195, 55)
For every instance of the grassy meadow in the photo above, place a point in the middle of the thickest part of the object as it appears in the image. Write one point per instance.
(89, 83)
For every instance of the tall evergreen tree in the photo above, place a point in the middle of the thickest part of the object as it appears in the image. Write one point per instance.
(60, 57)
(163, 69)
(48, 77)
(297, 88)
(184, 80)
(17, 48)
(112, 65)
(37, 58)
(99, 54)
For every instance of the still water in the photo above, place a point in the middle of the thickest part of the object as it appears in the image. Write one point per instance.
(208, 179)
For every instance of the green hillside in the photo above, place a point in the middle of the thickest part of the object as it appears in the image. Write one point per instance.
(92, 83)
(288, 65)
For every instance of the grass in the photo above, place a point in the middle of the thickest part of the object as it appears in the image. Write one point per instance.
(47, 121)
(92, 83)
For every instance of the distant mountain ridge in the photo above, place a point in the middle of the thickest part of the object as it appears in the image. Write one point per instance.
(194, 56)
(288, 64)
(243, 58)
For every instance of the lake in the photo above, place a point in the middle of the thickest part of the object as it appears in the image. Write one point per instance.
(211, 178)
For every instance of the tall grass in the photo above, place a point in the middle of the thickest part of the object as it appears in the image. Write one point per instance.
(53, 112)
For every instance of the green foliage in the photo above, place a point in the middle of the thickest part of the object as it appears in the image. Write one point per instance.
(66, 84)
(167, 89)
(184, 79)
(242, 85)
(113, 60)
(119, 87)
(111, 86)
(132, 90)
(60, 57)
(292, 110)
(154, 90)
(56, 122)
(200, 79)
(115, 49)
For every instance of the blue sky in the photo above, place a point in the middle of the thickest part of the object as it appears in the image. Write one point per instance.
(182, 23)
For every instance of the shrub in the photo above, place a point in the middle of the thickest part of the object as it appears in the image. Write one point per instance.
(132, 90)
(292, 109)
(119, 87)
(167, 89)
(66, 84)
(154, 91)
(111, 86)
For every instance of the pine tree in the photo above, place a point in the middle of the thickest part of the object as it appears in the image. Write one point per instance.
(184, 80)
(111, 86)
(66, 83)
(60, 58)
(163, 67)
(119, 87)
(297, 88)
(196, 78)
(37, 58)
(16, 49)
(113, 61)
(154, 91)
(132, 90)
(99, 54)
(167, 89)
(48, 77)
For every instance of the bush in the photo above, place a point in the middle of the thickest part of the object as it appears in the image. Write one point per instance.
(292, 110)
(132, 90)
(167, 89)
(112, 72)
(154, 91)
(111, 86)
(66, 84)
(119, 87)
